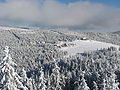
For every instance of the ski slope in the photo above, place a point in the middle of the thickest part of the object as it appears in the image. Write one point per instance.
(80, 46)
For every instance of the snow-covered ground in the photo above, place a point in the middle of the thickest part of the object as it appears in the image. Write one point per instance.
(80, 46)
(11, 28)
(23, 31)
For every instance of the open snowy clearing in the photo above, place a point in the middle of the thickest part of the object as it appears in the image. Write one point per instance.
(80, 46)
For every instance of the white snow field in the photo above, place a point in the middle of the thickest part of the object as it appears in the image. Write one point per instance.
(80, 46)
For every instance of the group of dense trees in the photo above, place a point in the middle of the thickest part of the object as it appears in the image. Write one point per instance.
(98, 70)
(36, 64)
(9, 78)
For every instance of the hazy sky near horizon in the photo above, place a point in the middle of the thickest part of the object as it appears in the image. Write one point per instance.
(83, 13)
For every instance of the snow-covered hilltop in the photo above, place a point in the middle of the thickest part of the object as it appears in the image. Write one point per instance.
(11, 28)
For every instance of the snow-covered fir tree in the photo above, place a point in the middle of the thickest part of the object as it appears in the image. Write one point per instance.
(95, 87)
(83, 84)
(10, 80)
(103, 85)
(25, 80)
(113, 84)
(42, 81)
(55, 76)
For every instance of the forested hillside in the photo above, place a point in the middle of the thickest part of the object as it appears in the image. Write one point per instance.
(32, 61)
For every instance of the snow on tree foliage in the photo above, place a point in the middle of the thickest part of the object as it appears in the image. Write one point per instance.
(42, 80)
(26, 82)
(10, 80)
(98, 70)
(55, 76)
(82, 85)
(95, 87)
(23, 73)
(111, 83)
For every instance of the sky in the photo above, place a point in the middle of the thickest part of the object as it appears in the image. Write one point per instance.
(86, 14)
(115, 3)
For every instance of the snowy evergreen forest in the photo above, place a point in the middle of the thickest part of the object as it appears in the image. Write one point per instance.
(29, 60)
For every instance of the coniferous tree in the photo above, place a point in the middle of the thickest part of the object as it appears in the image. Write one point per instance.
(10, 79)
(103, 85)
(83, 84)
(42, 81)
(95, 87)
(113, 83)
(55, 76)
(25, 80)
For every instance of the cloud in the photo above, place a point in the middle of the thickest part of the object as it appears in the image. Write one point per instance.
(51, 12)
